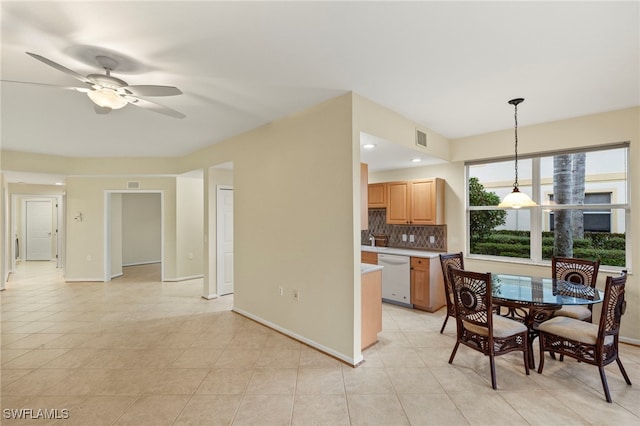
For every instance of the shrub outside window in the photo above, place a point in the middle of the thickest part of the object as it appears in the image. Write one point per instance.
(582, 207)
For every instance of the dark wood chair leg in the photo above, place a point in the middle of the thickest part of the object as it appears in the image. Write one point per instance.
(541, 366)
(493, 372)
(444, 324)
(624, 373)
(605, 386)
(453, 353)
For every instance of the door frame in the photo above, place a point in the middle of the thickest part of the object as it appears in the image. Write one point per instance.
(219, 240)
(20, 234)
(107, 227)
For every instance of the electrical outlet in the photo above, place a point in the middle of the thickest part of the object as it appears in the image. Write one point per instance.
(281, 291)
(404, 238)
(296, 295)
(432, 239)
(412, 238)
(88, 258)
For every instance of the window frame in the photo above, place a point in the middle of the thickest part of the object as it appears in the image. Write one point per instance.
(536, 212)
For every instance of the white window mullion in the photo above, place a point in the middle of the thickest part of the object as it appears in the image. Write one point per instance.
(536, 213)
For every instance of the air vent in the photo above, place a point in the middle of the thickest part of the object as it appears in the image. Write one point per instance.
(421, 138)
(133, 185)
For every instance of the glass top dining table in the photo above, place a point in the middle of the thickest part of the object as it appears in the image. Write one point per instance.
(538, 291)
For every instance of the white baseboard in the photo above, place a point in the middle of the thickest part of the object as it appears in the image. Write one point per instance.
(193, 277)
(630, 341)
(147, 262)
(117, 275)
(77, 280)
(313, 344)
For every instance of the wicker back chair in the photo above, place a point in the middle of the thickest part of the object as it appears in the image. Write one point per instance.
(595, 344)
(455, 260)
(581, 271)
(478, 327)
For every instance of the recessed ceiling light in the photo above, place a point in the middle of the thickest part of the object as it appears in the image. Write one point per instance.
(416, 160)
(369, 145)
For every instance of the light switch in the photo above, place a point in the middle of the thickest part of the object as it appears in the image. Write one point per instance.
(404, 237)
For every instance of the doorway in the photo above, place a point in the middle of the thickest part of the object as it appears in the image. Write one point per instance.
(134, 224)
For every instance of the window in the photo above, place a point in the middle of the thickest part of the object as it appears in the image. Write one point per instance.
(582, 209)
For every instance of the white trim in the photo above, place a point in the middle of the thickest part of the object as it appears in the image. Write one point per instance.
(78, 280)
(630, 341)
(116, 275)
(147, 262)
(210, 296)
(313, 344)
(192, 277)
(219, 232)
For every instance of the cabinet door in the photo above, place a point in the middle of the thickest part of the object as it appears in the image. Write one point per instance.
(423, 202)
(369, 257)
(377, 196)
(420, 282)
(398, 198)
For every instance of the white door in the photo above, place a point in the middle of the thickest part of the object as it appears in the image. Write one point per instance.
(38, 230)
(224, 258)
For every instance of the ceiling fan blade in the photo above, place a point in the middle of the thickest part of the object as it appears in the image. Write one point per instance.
(101, 110)
(60, 67)
(151, 90)
(78, 89)
(161, 109)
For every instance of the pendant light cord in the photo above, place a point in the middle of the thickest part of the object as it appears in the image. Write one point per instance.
(515, 103)
(515, 116)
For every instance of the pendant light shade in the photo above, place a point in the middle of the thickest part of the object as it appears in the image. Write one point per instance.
(516, 199)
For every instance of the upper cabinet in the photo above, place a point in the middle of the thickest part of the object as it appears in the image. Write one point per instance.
(415, 202)
(377, 195)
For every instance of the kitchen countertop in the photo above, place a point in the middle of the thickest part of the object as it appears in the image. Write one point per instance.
(365, 268)
(402, 251)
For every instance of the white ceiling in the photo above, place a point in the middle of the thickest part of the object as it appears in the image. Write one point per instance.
(449, 66)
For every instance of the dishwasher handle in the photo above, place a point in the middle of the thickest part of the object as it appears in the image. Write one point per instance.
(393, 260)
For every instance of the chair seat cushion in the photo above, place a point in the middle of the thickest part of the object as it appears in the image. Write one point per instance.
(502, 327)
(579, 312)
(573, 329)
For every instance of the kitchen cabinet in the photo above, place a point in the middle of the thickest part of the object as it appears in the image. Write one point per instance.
(427, 285)
(369, 257)
(377, 194)
(415, 202)
(371, 311)
(364, 196)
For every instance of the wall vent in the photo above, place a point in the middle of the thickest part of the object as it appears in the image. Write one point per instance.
(133, 185)
(421, 138)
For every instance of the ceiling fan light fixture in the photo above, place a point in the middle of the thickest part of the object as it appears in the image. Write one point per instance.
(107, 98)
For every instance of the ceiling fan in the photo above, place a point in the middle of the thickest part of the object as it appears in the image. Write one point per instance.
(109, 93)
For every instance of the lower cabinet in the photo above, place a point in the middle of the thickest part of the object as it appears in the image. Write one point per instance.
(371, 308)
(427, 285)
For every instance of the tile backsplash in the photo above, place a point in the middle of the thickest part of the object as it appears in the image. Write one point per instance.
(378, 226)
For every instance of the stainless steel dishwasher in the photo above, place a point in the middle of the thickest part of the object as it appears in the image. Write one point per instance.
(396, 279)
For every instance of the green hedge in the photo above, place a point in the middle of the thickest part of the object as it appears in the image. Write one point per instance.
(609, 248)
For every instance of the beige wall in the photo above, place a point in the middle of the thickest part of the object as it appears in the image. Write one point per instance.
(190, 225)
(141, 228)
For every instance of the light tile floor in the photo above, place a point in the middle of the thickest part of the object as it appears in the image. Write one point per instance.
(138, 351)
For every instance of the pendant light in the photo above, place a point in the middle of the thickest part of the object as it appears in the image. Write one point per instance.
(516, 199)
